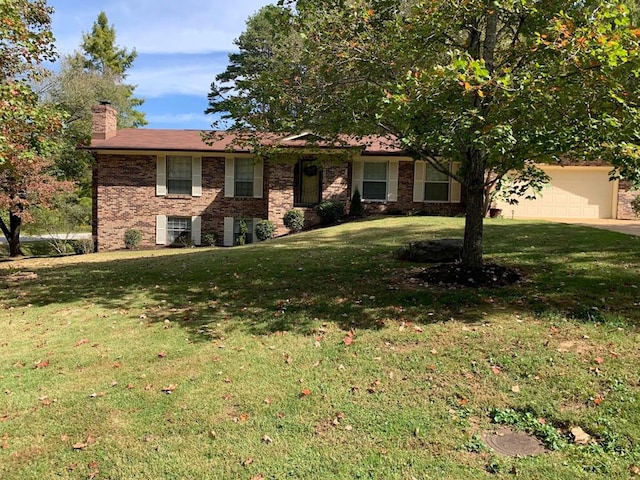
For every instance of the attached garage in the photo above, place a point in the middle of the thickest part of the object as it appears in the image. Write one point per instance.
(573, 192)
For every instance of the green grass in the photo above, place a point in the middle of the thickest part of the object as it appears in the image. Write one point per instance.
(253, 340)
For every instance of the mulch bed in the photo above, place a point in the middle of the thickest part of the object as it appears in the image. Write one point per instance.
(489, 275)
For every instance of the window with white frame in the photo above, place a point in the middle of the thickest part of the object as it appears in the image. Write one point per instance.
(243, 177)
(178, 230)
(437, 186)
(374, 181)
(179, 175)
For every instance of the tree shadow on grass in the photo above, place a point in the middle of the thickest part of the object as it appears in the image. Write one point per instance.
(347, 275)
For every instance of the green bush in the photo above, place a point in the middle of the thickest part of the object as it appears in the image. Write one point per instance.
(357, 209)
(209, 239)
(294, 220)
(635, 205)
(132, 238)
(265, 229)
(82, 246)
(330, 211)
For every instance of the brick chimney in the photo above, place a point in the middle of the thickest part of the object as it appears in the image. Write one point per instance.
(105, 121)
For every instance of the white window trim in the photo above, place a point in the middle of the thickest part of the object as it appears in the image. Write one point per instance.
(161, 229)
(391, 190)
(420, 184)
(230, 180)
(161, 176)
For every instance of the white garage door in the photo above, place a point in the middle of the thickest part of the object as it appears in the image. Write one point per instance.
(574, 192)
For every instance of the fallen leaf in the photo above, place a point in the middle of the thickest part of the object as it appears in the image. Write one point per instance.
(130, 386)
(80, 446)
(496, 370)
(243, 417)
(288, 359)
(305, 393)
(599, 360)
(580, 436)
(170, 388)
(348, 428)
(81, 342)
(267, 439)
(247, 462)
(162, 354)
(347, 340)
(42, 364)
(258, 477)
(635, 470)
(116, 365)
(515, 389)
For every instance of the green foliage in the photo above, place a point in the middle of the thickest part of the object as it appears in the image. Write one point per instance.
(635, 205)
(209, 239)
(68, 214)
(531, 423)
(356, 209)
(243, 230)
(294, 220)
(101, 52)
(82, 246)
(86, 77)
(492, 86)
(265, 230)
(132, 238)
(330, 211)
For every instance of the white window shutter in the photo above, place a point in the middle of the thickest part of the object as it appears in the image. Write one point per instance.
(356, 184)
(161, 175)
(228, 232)
(258, 175)
(456, 188)
(196, 177)
(196, 230)
(161, 229)
(392, 181)
(419, 172)
(229, 177)
(255, 222)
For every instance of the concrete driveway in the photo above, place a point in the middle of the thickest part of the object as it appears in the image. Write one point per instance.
(630, 227)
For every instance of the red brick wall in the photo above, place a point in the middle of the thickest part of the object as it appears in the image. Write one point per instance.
(126, 198)
(405, 201)
(125, 188)
(625, 196)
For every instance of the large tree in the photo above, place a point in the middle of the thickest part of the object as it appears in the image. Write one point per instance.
(97, 72)
(28, 129)
(495, 85)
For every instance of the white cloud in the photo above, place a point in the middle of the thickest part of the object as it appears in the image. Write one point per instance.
(188, 119)
(157, 26)
(182, 78)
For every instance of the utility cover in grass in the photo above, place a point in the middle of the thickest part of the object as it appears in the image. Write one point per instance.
(514, 444)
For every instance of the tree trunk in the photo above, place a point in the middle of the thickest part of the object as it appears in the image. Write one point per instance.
(12, 234)
(475, 212)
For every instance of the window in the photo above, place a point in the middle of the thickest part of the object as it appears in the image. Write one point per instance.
(306, 188)
(178, 230)
(179, 175)
(242, 228)
(374, 181)
(243, 177)
(436, 187)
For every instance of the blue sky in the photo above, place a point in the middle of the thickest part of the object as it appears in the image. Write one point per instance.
(181, 45)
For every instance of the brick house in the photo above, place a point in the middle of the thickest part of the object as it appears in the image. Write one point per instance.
(170, 184)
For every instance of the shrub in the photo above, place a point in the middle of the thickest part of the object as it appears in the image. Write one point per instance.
(132, 238)
(330, 211)
(209, 239)
(264, 229)
(294, 220)
(82, 246)
(356, 210)
(243, 230)
(635, 205)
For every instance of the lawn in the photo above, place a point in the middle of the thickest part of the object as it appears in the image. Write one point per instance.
(320, 356)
